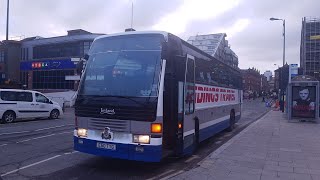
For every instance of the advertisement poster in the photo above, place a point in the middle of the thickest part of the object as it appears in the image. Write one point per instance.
(303, 103)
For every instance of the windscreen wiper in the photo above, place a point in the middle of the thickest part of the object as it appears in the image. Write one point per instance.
(131, 99)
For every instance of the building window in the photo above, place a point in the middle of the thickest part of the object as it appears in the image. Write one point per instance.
(57, 50)
(1, 56)
(54, 79)
(27, 54)
(24, 78)
(84, 47)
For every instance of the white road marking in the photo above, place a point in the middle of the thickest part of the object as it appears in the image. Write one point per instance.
(218, 142)
(227, 135)
(36, 163)
(172, 175)
(19, 132)
(30, 165)
(192, 158)
(72, 152)
(164, 173)
(40, 137)
(53, 127)
(3, 145)
(14, 133)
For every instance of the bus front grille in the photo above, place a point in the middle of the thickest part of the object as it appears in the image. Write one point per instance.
(113, 124)
(121, 113)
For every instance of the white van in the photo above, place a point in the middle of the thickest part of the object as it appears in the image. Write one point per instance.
(20, 104)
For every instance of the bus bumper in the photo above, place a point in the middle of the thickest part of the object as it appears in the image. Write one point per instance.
(146, 153)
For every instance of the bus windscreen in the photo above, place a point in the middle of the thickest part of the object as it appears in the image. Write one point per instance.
(121, 66)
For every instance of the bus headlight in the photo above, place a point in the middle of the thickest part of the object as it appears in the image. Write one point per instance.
(82, 132)
(143, 139)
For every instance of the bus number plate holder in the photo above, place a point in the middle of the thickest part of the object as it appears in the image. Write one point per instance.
(106, 146)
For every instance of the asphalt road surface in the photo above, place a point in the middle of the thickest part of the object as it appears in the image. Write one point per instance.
(43, 149)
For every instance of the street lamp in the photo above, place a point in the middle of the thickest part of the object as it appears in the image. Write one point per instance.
(284, 36)
(284, 56)
(7, 28)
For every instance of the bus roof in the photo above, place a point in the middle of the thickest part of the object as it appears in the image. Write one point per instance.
(165, 34)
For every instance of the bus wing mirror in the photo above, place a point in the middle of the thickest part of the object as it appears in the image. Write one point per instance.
(79, 67)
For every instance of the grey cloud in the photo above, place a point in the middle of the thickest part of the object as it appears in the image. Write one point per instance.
(260, 44)
(33, 17)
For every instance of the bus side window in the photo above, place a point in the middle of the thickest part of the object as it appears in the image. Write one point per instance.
(209, 78)
(202, 79)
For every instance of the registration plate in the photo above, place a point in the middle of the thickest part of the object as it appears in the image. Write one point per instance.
(106, 146)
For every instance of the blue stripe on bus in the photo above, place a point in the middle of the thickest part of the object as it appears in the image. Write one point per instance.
(188, 144)
(124, 151)
(208, 132)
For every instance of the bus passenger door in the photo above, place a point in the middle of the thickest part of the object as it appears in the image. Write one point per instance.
(189, 125)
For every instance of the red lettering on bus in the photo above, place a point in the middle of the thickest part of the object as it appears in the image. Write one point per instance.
(217, 98)
(212, 97)
(208, 99)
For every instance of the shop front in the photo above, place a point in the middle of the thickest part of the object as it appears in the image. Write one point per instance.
(48, 74)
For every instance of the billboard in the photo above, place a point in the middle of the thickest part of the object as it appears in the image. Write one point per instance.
(47, 64)
(293, 71)
(303, 101)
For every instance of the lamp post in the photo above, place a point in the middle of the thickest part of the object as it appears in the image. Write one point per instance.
(7, 28)
(284, 56)
(284, 36)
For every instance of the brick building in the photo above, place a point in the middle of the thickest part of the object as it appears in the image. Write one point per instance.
(9, 62)
(251, 80)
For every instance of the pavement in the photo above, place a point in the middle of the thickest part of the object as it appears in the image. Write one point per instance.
(268, 149)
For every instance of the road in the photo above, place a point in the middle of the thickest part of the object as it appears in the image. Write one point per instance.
(43, 149)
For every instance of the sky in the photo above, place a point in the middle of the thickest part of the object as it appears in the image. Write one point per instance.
(256, 40)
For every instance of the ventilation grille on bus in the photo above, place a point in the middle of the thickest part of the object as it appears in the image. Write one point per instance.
(113, 124)
(123, 113)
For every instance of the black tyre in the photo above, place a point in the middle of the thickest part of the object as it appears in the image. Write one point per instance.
(8, 117)
(196, 134)
(232, 121)
(54, 114)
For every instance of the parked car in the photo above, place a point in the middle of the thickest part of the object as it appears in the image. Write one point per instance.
(26, 104)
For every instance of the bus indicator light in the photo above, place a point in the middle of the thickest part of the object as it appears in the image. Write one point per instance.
(179, 125)
(156, 128)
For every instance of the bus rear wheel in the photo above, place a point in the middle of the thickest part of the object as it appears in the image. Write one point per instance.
(232, 121)
(196, 134)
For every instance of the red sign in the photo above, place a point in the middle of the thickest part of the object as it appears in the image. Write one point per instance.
(210, 96)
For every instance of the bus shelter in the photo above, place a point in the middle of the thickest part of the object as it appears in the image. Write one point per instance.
(303, 99)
